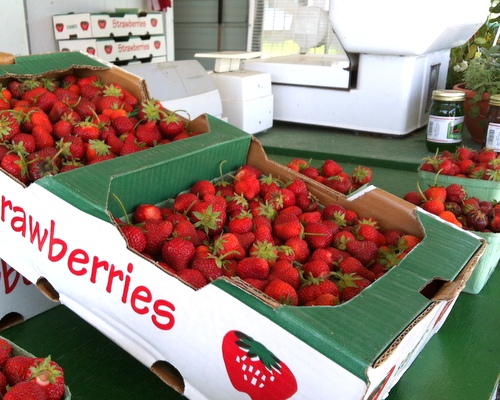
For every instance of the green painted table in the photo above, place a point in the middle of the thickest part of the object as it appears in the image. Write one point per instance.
(460, 362)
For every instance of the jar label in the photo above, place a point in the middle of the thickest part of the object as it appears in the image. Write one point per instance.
(493, 136)
(445, 129)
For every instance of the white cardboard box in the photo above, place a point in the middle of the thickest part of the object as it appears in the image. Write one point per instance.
(242, 84)
(19, 298)
(251, 116)
(98, 25)
(111, 50)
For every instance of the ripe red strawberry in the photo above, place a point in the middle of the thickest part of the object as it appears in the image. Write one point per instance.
(156, 231)
(209, 266)
(23, 143)
(130, 147)
(205, 216)
(43, 138)
(148, 133)
(436, 193)
(485, 156)
(367, 231)
(3, 384)
(341, 183)
(62, 128)
(186, 230)
(193, 277)
(282, 292)
(73, 148)
(15, 369)
(122, 125)
(362, 175)
(351, 286)
(37, 117)
(49, 375)
(87, 130)
(16, 165)
(351, 265)
(434, 206)
(240, 223)
(178, 253)
(297, 186)
(27, 390)
(268, 183)
(202, 188)
(318, 235)
(310, 172)
(253, 267)
(184, 201)
(455, 193)
(46, 101)
(330, 168)
(285, 271)
(134, 236)
(249, 187)
(171, 125)
(146, 211)
(300, 249)
(44, 162)
(313, 288)
(414, 197)
(341, 238)
(287, 225)
(306, 202)
(9, 127)
(316, 268)
(364, 250)
(85, 108)
(280, 198)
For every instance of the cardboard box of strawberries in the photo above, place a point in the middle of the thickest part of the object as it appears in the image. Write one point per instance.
(25, 376)
(69, 225)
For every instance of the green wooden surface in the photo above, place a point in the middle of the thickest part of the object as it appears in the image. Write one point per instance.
(460, 362)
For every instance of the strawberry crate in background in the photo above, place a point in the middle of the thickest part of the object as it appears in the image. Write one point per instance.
(64, 111)
(478, 171)
(19, 298)
(26, 376)
(454, 204)
(157, 317)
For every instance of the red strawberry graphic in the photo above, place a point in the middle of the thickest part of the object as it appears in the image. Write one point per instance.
(101, 23)
(108, 49)
(157, 44)
(254, 370)
(84, 25)
(154, 21)
(90, 50)
(59, 27)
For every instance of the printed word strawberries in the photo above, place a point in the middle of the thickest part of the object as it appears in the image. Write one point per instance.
(259, 231)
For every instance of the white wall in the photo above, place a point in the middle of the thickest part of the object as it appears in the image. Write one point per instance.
(13, 31)
(40, 12)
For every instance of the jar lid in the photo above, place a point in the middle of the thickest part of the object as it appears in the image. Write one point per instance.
(448, 95)
(495, 99)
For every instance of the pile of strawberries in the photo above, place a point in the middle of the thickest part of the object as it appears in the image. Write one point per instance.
(48, 126)
(25, 377)
(453, 204)
(331, 174)
(466, 163)
(271, 234)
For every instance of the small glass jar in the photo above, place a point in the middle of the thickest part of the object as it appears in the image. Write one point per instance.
(446, 120)
(492, 132)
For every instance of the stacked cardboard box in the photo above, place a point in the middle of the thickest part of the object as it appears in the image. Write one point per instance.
(114, 37)
(59, 233)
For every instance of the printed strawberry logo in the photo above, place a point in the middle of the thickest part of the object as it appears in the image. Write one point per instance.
(59, 27)
(154, 22)
(90, 50)
(101, 23)
(108, 49)
(84, 25)
(157, 44)
(254, 370)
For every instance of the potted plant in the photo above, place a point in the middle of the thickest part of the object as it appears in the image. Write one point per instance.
(475, 69)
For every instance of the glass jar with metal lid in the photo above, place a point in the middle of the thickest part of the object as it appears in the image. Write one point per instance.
(446, 120)
(492, 132)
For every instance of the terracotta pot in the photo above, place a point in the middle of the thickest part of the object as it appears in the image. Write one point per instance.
(476, 126)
